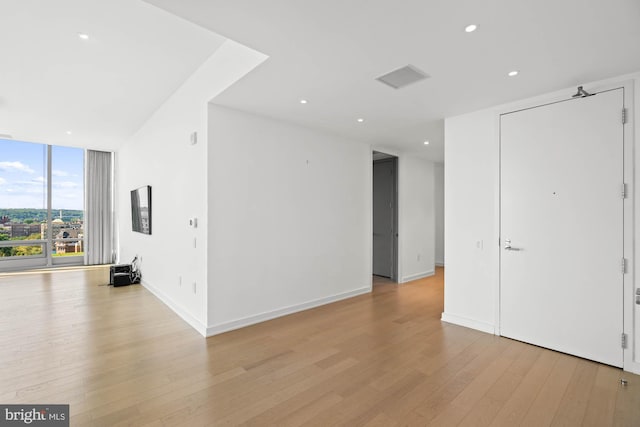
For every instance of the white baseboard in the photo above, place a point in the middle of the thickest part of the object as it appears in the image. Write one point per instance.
(180, 311)
(418, 276)
(251, 320)
(469, 323)
(439, 264)
(633, 367)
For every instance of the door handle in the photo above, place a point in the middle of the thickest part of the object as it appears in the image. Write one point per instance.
(508, 247)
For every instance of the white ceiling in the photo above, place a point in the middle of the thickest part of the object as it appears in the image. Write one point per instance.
(328, 52)
(101, 89)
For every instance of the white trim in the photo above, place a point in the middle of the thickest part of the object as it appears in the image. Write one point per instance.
(399, 221)
(180, 311)
(417, 276)
(262, 317)
(631, 363)
(439, 264)
(369, 213)
(468, 323)
(67, 260)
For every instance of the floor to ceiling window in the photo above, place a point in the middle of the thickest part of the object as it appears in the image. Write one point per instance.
(41, 205)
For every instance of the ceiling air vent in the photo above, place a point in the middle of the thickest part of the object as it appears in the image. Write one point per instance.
(403, 77)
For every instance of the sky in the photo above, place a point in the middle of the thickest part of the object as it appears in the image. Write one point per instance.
(23, 176)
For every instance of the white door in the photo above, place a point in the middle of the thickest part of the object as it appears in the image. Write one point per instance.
(561, 176)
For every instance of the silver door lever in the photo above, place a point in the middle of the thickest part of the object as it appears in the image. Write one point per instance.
(508, 247)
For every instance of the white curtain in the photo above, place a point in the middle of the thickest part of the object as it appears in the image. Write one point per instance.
(98, 225)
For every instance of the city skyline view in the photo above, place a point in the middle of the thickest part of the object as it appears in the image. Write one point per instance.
(23, 176)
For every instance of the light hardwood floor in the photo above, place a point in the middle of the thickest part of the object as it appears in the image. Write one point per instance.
(119, 357)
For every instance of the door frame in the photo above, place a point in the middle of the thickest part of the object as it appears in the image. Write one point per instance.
(628, 303)
(393, 158)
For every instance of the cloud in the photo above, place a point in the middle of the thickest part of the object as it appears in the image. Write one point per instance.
(2, 181)
(35, 181)
(15, 166)
(66, 184)
(59, 173)
(33, 190)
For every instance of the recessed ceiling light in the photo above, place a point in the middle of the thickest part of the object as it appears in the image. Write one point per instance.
(426, 143)
(360, 120)
(513, 73)
(303, 101)
(68, 132)
(83, 36)
(470, 28)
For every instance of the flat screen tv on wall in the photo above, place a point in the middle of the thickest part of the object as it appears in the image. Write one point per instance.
(141, 209)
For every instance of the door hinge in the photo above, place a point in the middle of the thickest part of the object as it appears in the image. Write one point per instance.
(624, 265)
(623, 340)
(624, 115)
(624, 190)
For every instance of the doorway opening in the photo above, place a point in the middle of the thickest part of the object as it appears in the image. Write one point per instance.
(385, 217)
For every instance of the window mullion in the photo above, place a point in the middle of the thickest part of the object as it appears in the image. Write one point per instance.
(49, 215)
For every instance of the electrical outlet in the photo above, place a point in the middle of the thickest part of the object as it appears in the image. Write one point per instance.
(194, 287)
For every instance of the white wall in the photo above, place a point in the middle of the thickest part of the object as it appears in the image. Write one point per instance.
(470, 224)
(438, 170)
(416, 218)
(289, 218)
(472, 209)
(160, 155)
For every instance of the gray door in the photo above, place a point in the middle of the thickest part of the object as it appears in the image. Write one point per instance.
(384, 218)
(562, 226)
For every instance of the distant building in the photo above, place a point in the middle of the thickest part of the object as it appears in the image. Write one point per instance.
(144, 219)
(5, 220)
(22, 230)
(69, 247)
(58, 225)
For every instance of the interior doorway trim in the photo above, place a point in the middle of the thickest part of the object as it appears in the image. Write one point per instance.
(392, 161)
